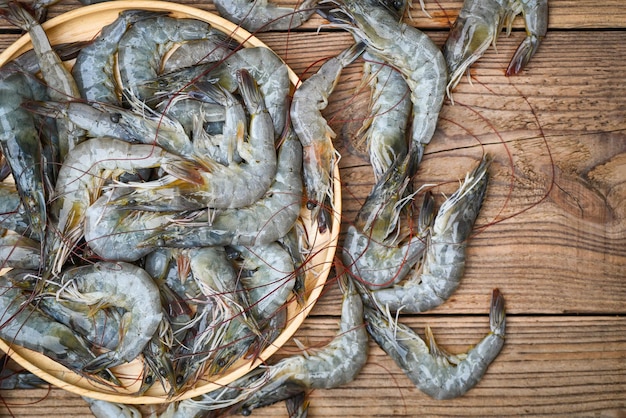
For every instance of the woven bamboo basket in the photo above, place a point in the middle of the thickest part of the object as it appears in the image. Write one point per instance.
(84, 24)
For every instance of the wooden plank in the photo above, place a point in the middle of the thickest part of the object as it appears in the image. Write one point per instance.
(572, 366)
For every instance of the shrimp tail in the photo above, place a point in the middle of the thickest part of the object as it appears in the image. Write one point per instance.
(523, 54)
(497, 317)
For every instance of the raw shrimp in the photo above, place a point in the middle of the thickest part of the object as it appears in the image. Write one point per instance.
(336, 364)
(444, 259)
(319, 155)
(200, 51)
(61, 84)
(267, 274)
(17, 251)
(105, 409)
(265, 221)
(12, 214)
(435, 372)
(83, 172)
(260, 15)
(220, 187)
(124, 286)
(144, 44)
(478, 25)
(94, 67)
(24, 325)
(21, 146)
(384, 131)
(373, 249)
(407, 49)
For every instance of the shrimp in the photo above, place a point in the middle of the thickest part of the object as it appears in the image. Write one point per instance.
(144, 44)
(21, 146)
(19, 379)
(194, 52)
(61, 84)
(478, 25)
(267, 275)
(124, 286)
(23, 324)
(384, 131)
(404, 47)
(105, 409)
(336, 364)
(435, 372)
(12, 214)
(373, 249)
(263, 222)
(79, 180)
(139, 124)
(94, 66)
(319, 155)
(221, 187)
(444, 259)
(260, 15)
(17, 251)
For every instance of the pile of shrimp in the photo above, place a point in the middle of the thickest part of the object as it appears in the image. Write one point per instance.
(163, 212)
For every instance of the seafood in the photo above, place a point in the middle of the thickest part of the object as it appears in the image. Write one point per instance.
(319, 155)
(404, 47)
(434, 371)
(143, 45)
(94, 66)
(265, 221)
(61, 84)
(83, 172)
(124, 286)
(373, 249)
(260, 15)
(444, 259)
(19, 252)
(12, 214)
(104, 409)
(384, 131)
(214, 188)
(478, 25)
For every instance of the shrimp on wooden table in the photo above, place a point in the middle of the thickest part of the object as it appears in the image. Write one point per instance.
(434, 371)
(443, 265)
(261, 15)
(319, 157)
(407, 49)
(478, 25)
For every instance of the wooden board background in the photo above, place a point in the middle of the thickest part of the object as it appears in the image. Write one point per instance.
(551, 235)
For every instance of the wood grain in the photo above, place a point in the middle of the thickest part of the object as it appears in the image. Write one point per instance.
(551, 235)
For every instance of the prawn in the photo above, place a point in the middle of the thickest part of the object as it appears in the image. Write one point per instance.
(12, 214)
(260, 15)
(122, 285)
(83, 172)
(478, 25)
(407, 49)
(221, 187)
(373, 249)
(21, 252)
(434, 371)
(444, 259)
(319, 154)
(262, 222)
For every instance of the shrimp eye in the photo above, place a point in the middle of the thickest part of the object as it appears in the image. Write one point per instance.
(179, 379)
(162, 372)
(221, 362)
(115, 117)
(310, 205)
(160, 242)
(149, 379)
(246, 412)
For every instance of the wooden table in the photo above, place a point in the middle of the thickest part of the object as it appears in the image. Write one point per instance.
(551, 235)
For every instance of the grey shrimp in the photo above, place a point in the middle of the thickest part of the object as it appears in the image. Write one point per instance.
(374, 250)
(80, 178)
(444, 259)
(13, 216)
(61, 84)
(319, 154)
(434, 371)
(143, 46)
(263, 222)
(94, 66)
(406, 48)
(261, 15)
(478, 25)
(106, 409)
(124, 286)
(220, 187)
(20, 252)
(384, 131)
